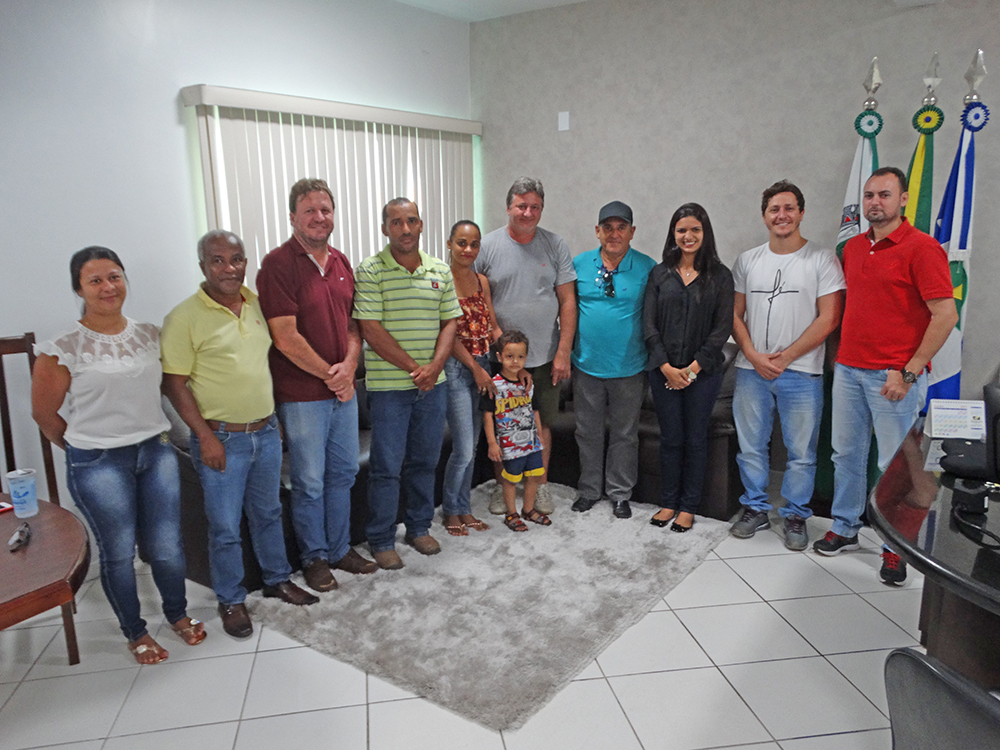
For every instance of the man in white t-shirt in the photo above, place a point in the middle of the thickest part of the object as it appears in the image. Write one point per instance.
(532, 283)
(789, 298)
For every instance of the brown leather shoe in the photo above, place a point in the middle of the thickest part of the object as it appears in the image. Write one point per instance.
(352, 562)
(388, 559)
(318, 575)
(236, 620)
(425, 545)
(290, 593)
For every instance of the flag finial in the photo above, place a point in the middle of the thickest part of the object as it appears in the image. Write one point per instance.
(931, 81)
(975, 75)
(871, 84)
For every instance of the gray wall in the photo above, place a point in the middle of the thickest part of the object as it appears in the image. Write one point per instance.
(713, 100)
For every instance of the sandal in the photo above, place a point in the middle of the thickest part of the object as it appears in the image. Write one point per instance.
(458, 530)
(193, 633)
(513, 522)
(139, 649)
(534, 516)
(476, 525)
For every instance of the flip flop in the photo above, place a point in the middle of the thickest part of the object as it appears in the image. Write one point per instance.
(477, 525)
(138, 649)
(193, 633)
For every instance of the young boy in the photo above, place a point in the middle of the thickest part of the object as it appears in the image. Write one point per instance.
(512, 429)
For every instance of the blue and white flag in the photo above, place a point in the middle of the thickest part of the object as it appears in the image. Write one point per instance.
(953, 230)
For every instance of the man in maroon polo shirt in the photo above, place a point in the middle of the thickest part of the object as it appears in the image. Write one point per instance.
(306, 290)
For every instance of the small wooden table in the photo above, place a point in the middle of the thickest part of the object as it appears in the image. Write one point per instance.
(48, 572)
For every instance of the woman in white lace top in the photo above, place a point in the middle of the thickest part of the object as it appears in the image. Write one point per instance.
(121, 470)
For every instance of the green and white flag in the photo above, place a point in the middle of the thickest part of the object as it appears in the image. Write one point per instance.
(852, 222)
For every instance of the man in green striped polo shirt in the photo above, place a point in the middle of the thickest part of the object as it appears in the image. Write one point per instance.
(406, 306)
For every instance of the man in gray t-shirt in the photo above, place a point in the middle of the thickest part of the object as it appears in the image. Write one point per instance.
(532, 280)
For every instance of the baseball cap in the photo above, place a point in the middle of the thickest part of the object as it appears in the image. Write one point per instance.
(615, 210)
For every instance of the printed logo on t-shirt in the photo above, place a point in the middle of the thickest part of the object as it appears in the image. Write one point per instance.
(774, 292)
(434, 285)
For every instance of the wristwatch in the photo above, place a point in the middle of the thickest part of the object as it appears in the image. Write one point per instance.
(908, 377)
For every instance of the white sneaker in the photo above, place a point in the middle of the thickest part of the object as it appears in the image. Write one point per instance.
(497, 507)
(543, 500)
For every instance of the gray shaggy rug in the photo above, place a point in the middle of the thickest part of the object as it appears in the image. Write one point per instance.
(499, 622)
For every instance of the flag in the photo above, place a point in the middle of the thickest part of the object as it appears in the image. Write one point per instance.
(953, 230)
(852, 221)
(867, 125)
(920, 175)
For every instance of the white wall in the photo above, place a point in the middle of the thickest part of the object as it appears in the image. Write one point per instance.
(96, 148)
(713, 100)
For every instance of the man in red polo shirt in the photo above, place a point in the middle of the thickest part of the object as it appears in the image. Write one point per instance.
(898, 312)
(306, 290)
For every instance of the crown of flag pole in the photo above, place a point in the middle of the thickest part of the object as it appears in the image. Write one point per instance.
(927, 120)
(953, 230)
(868, 124)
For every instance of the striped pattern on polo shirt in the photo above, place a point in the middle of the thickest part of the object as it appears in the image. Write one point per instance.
(409, 306)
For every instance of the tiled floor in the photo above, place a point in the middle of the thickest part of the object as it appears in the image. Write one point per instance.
(759, 648)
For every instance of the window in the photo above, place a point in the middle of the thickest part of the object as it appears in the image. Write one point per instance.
(255, 146)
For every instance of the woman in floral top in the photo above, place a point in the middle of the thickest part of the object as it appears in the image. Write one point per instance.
(468, 376)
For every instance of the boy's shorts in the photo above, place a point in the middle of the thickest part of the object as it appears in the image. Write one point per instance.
(530, 466)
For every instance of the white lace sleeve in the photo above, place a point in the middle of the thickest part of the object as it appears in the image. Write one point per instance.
(65, 349)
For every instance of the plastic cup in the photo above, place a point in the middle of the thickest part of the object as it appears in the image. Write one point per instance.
(22, 492)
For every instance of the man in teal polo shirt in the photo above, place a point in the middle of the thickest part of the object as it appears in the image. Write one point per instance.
(609, 361)
(406, 306)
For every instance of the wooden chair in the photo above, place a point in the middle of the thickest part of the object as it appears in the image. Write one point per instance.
(23, 345)
(50, 570)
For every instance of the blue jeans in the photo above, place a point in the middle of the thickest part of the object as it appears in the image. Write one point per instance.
(322, 439)
(465, 421)
(684, 417)
(798, 397)
(127, 494)
(407, 430)
(250, 483)
(858, 407)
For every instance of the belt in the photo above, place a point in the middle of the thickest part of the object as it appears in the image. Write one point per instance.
(232, 427)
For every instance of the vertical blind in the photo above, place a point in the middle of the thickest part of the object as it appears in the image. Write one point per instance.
(251, 157)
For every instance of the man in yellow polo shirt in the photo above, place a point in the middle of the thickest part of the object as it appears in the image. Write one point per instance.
(214, 350)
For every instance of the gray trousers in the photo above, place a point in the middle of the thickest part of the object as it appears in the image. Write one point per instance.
(616, 401)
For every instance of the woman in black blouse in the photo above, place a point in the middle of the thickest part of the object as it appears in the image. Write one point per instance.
(687, 317)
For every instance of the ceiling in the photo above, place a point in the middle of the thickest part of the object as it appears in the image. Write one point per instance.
(481, 10)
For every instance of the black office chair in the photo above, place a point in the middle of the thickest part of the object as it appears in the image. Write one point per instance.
(933, 707)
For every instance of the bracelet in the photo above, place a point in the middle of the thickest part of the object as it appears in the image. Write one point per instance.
(692, 375)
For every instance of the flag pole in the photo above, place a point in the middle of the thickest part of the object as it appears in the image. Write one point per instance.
(953, 230)
(927, 120)
(868, 124)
